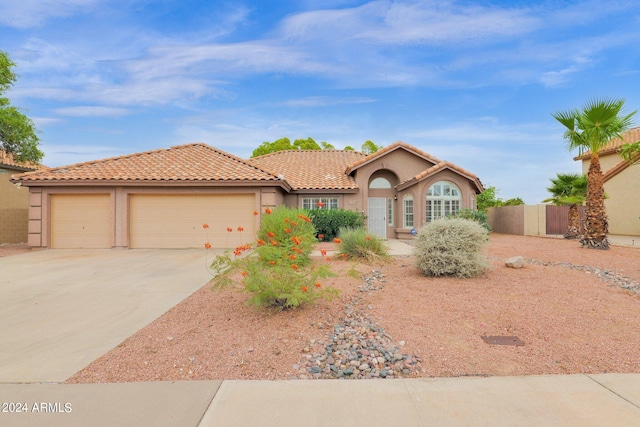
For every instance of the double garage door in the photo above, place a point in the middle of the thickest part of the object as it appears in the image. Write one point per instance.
(155, 221)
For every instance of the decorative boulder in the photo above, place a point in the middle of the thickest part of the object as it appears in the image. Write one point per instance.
(515, 262)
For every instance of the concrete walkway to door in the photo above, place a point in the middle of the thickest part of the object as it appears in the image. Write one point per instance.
(62, 309)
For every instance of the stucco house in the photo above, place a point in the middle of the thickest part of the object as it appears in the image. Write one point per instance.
(161, 198)
(621, 185)
(14, 200)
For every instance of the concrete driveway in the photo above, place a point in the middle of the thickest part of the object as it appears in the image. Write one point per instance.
(62, 309)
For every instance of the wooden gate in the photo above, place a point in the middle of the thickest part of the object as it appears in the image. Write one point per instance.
(558, 218)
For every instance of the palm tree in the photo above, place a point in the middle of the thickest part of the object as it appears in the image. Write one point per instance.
(591, 129)
(571, 190)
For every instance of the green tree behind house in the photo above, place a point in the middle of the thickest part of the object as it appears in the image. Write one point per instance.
(18, 134)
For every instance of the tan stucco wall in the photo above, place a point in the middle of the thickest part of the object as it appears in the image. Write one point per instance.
(535, 220)
(11, 196)
(528, 220)
(507, 219)
(622, 203)
(14, 208)
(399, 166)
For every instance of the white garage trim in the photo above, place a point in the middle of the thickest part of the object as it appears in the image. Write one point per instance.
(175, 221)
(81, 221)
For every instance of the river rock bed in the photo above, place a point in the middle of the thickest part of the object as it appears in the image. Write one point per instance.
(612, 278)
(356, 347)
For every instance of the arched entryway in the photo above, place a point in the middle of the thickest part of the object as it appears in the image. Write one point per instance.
(381, 203)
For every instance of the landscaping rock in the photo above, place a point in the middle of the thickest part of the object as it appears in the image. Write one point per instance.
(515, 262)
(357, 347)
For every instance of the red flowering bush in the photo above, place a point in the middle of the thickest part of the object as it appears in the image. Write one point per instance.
(277, 271)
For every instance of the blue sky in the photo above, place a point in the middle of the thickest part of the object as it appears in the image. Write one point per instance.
(472, 82)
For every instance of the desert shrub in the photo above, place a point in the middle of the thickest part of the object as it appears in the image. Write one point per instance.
(291, 230)
(328, 222)
(473, 215)
(357, 243)
(275, 270)
(451, 247)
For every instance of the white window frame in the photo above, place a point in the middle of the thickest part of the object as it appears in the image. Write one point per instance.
(312, 203)
(407, 211)
(380, 182)
(444, 198)
(390, 216)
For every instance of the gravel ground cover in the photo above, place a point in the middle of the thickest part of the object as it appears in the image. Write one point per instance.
(576, 310)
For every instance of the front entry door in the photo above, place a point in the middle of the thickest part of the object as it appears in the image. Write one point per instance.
(377, 216)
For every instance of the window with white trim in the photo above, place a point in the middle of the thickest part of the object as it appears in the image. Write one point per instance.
(320, 203)
(389, 211)
(407, 211)
(380, 182)
(443, 199)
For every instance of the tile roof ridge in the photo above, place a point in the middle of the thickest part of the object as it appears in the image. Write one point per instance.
(113, 158)
(274, 153)
(245, 162)
(389, 148)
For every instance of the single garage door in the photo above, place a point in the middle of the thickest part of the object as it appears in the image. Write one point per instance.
(175, 221)
(81, 221)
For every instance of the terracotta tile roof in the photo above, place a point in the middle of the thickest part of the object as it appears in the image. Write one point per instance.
(438, 167)
(6, 160)
(190, 163)
(388, 149)
(628, 137)
(312, 169)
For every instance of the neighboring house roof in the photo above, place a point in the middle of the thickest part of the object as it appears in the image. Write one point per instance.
(613, 146)
(395, 146)
(629, 137)
(190, 163)
(437, 168)
(312, 169)
(7, 161)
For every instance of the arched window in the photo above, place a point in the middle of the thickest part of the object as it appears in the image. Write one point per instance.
(380, 183)
(443, 199)
(407, 211)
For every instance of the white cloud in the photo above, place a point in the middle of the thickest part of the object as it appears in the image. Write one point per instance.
(31, 13)
(417, 22)
(325, 101)
(92, 111)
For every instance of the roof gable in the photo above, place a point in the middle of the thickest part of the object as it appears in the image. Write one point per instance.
(311, 169)
(389, 149)
(440, 167)
(190, 163)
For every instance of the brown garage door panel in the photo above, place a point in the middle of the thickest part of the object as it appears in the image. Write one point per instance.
(175, 221)
(81, 221)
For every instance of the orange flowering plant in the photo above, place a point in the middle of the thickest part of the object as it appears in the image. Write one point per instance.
(278, 274)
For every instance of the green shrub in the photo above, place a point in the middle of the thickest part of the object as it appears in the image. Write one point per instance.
(357, 243)
(276, 271)
(328, 222)
(292, 230)
(451, 247)
(473, 215)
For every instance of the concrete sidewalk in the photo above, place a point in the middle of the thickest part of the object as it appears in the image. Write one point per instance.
(571, 400)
